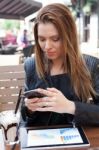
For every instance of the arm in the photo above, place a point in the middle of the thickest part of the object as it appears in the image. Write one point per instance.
(83, 113)
(29, 68)
(89, 113)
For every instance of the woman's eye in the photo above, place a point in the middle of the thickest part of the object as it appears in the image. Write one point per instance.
(41, 39)
(56, 39)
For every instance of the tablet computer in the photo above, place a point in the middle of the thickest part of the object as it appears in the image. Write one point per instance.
(52, 137)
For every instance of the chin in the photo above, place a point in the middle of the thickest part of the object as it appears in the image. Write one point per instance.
(52, 58)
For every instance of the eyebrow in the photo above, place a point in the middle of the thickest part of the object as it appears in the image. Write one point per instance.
(40, 36)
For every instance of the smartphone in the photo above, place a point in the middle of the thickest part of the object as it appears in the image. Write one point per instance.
(33, 94)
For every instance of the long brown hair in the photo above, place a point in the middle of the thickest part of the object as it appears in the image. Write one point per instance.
(61, 17)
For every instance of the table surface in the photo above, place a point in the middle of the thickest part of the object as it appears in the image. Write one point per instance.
(1, 140)
(6, 60)
(92, 134)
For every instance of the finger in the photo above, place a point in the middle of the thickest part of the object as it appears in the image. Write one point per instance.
(42, 104)
(46, 92)
(53, 90)
(46, 104)
(48, 99)
(33, 107)
(44, 109)
(33, 100)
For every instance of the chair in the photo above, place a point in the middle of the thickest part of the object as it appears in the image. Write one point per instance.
(28, 51)
(11, 81)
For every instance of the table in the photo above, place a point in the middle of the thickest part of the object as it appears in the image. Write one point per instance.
(6, 60)
(92, 134)
(2, 147)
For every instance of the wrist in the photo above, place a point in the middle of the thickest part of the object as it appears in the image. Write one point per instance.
(71, 107)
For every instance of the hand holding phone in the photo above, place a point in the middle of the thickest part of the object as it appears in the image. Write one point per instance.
(33, 94)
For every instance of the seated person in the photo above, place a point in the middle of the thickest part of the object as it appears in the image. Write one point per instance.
(22, 39)
(10, 38)
(68, 79)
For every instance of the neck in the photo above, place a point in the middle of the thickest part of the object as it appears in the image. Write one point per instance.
(57, 68)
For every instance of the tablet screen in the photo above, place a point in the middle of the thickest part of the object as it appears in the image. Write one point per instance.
(56, 137)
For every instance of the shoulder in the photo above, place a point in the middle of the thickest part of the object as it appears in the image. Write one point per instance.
(89, 58)
(29, 61)
(91, 62)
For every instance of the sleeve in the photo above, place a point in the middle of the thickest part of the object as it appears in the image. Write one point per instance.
(95, 78)
(29, 68)
(29, 72)
(89, 113)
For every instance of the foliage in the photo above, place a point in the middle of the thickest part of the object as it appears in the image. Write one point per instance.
(10, 24)
(89, 5)
(85, 6)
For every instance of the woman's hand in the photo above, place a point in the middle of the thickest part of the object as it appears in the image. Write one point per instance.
(54, 101)
(31, 104)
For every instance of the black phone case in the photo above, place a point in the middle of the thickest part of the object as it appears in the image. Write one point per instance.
(33, 94)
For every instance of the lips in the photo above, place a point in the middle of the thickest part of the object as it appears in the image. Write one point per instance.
(51, 53)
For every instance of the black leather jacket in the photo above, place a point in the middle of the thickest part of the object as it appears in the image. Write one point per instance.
(85, 114)
(89, 113)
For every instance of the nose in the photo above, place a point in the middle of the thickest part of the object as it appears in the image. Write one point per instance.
(48, 44)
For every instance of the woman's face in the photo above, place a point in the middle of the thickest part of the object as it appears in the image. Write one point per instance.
(50, 41)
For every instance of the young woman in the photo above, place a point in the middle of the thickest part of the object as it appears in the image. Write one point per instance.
(69, 80)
